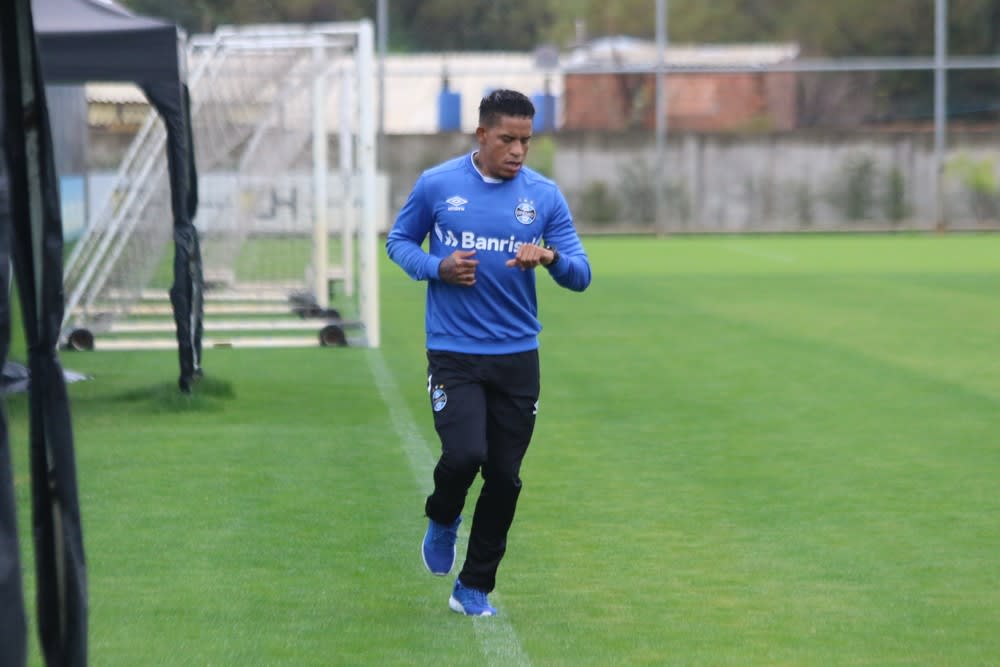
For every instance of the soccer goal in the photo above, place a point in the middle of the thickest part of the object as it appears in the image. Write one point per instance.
(284, 138)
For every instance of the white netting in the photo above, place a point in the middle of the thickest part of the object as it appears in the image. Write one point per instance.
(267, 104)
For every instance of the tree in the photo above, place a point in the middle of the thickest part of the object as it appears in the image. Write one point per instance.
(421, 25)
(490, 25)
(845, 28)
(202, 16)
(822, 29)
(691, 21)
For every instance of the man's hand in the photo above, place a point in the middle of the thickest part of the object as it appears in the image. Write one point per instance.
(459, 268)
(530, 255)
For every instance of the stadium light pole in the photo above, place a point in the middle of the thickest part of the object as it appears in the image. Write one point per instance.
(940, 105)
(382, 21)
(661, 114)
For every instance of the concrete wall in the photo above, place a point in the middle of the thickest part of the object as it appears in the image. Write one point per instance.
(722, 182)
(733, 183)
(788, 181)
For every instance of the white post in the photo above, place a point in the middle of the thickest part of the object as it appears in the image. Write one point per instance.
(940, 105)
(319, 152)
(382, 36)
(661, 116)
(347, 217)
(367, 258)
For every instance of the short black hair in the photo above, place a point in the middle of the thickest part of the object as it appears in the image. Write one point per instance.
(504, 102)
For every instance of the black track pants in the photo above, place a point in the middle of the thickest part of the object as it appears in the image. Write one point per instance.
(484, 410)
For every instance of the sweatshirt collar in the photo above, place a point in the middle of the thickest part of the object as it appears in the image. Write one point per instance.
(486, 179)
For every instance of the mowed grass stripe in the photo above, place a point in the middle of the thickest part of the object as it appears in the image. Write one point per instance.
(272, 525)
(497, 638)
(247, 524)
(738, 461)
(891, 321)
(726, 438)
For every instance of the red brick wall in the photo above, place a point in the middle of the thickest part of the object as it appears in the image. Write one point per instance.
(697, 102)
(594, 102)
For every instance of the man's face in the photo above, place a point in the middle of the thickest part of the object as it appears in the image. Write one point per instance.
(504, 146)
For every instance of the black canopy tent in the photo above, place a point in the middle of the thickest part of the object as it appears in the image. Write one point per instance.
(98, 40)
(31, 241)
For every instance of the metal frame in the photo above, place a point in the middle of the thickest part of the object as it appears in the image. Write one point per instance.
(141, 177)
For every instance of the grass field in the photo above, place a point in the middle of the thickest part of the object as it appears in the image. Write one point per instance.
(750, 451)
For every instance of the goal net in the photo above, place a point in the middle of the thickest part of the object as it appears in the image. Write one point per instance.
(283, 126)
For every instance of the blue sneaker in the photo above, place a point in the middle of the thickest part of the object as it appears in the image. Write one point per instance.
(439, 546)
(470, 601)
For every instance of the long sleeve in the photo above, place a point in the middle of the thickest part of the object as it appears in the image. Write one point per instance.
(407, 235)
(572, 271)
(452, 208)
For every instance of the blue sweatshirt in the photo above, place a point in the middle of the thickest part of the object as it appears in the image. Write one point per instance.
(459, 209)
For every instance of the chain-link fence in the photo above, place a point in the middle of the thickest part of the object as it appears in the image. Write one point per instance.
(749, 146)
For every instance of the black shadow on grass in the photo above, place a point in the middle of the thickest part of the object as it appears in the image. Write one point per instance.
(209, 395)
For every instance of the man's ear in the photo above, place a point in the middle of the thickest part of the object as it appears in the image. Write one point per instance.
(481, 134)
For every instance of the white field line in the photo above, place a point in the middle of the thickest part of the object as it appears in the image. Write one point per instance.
(496, 635)
(753, 252)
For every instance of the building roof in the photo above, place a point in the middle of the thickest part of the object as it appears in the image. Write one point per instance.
(630, 52)
(114, 93)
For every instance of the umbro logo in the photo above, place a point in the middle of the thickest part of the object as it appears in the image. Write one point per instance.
(456, 203)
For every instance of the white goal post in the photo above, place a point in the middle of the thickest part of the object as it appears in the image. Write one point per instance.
(289, 244)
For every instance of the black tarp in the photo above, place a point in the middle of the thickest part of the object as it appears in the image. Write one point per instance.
(31, 238)
(98, 40)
